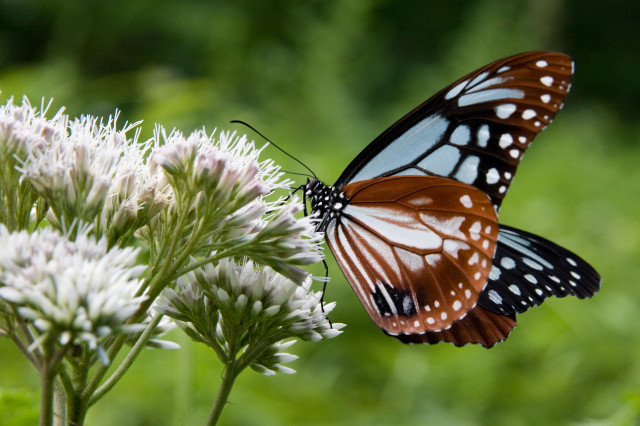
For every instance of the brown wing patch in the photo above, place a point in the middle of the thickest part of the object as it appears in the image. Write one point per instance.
(416, 250)
(480, 326)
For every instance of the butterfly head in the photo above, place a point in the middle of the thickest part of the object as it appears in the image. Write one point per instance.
(326, 202)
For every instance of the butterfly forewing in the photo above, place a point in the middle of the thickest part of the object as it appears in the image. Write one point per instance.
(527, 269)
(416, 249)
(474, 131)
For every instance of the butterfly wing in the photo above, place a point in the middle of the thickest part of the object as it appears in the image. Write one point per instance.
(416, 250)
(479, 326)
(474, 131)
(527, 269)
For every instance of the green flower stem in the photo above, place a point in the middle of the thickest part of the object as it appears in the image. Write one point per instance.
(233, 367)
(77, 402)
(126, 363)
(9, 204)
(47, 380)
(228, 379)
(60, 403)
(156, 283)
(48, 373)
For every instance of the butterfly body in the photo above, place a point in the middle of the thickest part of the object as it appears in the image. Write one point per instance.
(412, 221)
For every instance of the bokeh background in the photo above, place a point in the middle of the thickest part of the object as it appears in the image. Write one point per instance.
(323, 78)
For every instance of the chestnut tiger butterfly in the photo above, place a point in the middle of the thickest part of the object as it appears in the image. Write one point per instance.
(412, 221)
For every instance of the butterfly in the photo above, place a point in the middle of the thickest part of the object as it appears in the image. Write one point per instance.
(413, 220)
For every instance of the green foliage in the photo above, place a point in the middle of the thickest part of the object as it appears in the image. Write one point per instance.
(322, 79)
(18, 407)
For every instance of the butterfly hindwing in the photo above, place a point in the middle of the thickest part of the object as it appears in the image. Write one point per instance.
(527, 269)
(480, 326)
(416, 249)
(474, 131)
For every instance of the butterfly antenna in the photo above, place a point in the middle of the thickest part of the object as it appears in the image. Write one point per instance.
(276, 146)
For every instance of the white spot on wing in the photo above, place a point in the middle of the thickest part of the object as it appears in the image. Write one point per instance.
(449, 227)
(505, 140)
(465, 200)
(493, 176)
(433, 259)
(507, 263)
(489, 95)
(410, 259)
(440, 162)
(528, 114)
(547, 80)
(546, 98)
(542, 63)
(495, 273)
(461, 135)
(505, 110)
(478, 79)
(407, 304)
(475, 230)
(520, 245)
(532, 264)
(487, 83)
(457, 305)
(468, 170)
(455, 91)
(483, 136)
(383, 290)
(495, 297)
(453, 246)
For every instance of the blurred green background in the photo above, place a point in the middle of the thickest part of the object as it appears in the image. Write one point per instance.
(322, 79)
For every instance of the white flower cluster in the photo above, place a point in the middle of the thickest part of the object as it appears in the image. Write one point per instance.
(96, 174)
(70, 291)
(224, 173)
(225, 186)
(213, 303)
(24, 126)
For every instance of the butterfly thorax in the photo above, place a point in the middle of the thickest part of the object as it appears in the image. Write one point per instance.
(326, 202)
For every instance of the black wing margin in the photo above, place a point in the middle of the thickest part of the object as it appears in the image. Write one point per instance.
(527, 269)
